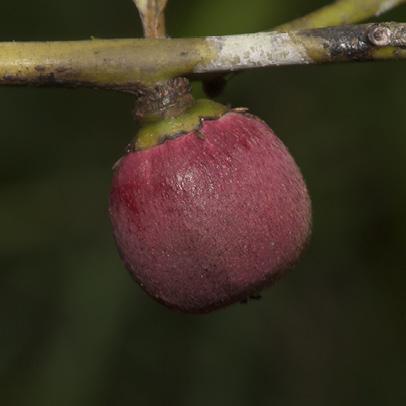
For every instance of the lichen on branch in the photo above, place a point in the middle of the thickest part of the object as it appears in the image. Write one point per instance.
(129, 65)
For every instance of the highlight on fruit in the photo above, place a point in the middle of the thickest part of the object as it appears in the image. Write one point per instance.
(208, 207)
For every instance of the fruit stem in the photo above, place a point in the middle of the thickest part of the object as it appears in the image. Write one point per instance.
(167, 100)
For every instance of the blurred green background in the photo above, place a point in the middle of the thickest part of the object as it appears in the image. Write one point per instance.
(76, 330)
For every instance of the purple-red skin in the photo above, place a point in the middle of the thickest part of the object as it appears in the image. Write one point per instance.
(201, 224)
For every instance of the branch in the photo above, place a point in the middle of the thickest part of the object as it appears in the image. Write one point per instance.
(152, 17)
(341, 12)
(129, 65)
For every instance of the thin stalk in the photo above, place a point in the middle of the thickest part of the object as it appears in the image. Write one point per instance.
(152, 17)
(341, 12)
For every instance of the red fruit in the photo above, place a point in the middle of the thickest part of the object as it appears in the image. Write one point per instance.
(212, 216)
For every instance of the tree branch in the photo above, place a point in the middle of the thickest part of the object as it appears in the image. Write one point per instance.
(152, 17)
(341, 12)
(129, 65)
(133, 65)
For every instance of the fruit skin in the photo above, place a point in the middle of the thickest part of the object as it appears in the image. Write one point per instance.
(203, 223)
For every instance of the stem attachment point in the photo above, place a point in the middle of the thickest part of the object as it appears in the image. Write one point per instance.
(168, 100)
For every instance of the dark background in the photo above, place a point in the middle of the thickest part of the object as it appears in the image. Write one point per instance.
(76, 330)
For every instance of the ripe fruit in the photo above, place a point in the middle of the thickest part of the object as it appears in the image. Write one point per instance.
(211, 215)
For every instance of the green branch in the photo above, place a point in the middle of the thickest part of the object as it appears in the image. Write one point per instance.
(129, 65)
(341, 12)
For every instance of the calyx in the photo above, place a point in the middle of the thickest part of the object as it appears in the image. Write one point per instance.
(156, 132)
